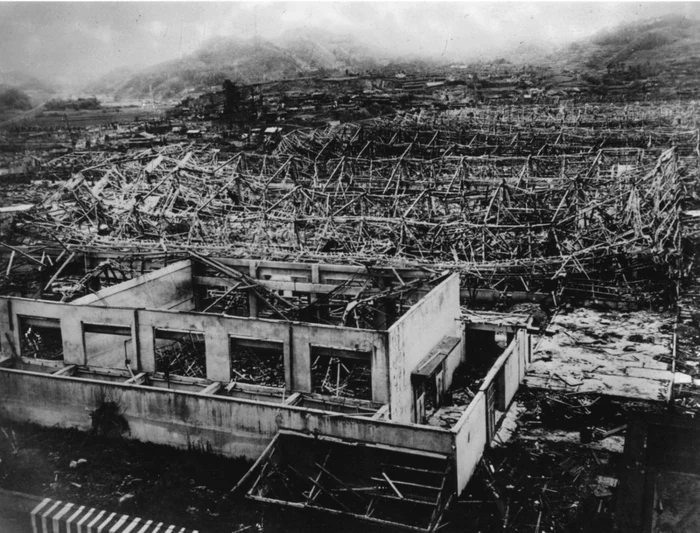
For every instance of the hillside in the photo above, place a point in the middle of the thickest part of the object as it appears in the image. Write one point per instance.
(37, 89)
(245, 61)
(662, 53)
(653, 41)
(13, 99)
(329, 51)
(659, 56)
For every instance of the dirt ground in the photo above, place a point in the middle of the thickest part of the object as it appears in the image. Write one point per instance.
(161, 483)
(187, 488)
(543, 477)
(677, 503)
(529, 479)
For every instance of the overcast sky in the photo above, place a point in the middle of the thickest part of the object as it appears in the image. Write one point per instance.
(81, 40)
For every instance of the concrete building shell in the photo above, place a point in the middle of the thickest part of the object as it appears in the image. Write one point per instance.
(109, 342)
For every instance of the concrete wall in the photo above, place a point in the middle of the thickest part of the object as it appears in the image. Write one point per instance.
(236, 426)
(471, 434)
(71, 320)
(231, 426)
(516, 365)
(296, 339)
(414, 335)
(168, 288)
(109, 351)
(374, 342)
(510, 366)
(409, 339)
(217, 332)
(470, 439)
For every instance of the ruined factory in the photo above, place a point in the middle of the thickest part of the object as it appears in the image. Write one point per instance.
(461, 313)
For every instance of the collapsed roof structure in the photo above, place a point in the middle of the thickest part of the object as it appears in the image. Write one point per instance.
(303, 305)
(510, 205)
(338, 352)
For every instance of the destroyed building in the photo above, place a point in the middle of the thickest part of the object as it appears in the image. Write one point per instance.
(232, 354)
(322, 306)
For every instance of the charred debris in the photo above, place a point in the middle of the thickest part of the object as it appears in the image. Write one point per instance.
(545, 199)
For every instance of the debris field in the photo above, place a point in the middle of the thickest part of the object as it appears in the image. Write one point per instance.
(582, 210)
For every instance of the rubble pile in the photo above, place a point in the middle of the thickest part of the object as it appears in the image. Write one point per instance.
(621, 354)
(249, 366)
(636, 132)
(553, 466)
(341, 378)
(600, 224)
(184, 357)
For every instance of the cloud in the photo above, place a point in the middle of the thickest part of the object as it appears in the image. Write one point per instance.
(80, 40)
(158, 28)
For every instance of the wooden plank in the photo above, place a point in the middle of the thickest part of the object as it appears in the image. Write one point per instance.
(20, 208)
(211, 389)
(256, 465)
(40, 322)
(340, 482)
(436, 356)
(66, 370)
(414, 469)
(293, 398)
(46, 363)
(10, 263)
(292, 268)
(311, 495)
(61, 268)
(391, 484)
(386, 523)
(381, 413)
(281, 285)
(410, 484)
(107, 329)
(175, 334)
(332, 351)
(22, 253)
(249, 342)
(404, 499)
(82, 371)
(137, 379)
(320, 487)
(261, 294)
(481, 326)
(224, 295)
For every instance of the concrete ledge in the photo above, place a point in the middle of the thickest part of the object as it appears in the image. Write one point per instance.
(230, 426)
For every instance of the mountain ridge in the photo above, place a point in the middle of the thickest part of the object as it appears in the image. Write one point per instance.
(241, 60)
(659, 48)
